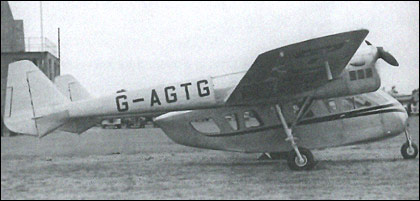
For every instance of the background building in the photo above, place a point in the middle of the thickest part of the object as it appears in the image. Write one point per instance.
(15, 47)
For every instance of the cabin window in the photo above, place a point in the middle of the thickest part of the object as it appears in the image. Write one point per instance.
(207, 126)
(251, 119)
(360, 74)
(347, 104)
(360, 102)
(309, 114)
(296, 109)
(352, 75)
(332, 106)
(369, 72)
(232, 120)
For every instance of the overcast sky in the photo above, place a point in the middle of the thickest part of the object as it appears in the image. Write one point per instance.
(112, 45)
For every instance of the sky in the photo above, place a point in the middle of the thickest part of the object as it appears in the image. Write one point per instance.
(109, 46)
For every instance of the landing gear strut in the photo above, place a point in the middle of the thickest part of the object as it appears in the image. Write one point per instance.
(299, 158)
(409, 150)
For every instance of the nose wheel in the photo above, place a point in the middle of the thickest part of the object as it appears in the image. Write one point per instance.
(409, 150)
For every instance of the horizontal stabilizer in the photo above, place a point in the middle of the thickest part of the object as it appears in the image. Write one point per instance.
(51, 122)
(79, 125)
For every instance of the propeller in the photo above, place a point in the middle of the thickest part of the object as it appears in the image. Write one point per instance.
(386, 56)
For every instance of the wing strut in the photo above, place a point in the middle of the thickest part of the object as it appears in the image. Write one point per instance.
(328, 69)
(303, 110)
(299, 158)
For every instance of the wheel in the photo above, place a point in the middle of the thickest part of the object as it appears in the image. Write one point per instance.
(409, 153)
(294, 162)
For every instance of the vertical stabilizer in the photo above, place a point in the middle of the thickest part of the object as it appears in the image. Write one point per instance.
(31, 98)
(71, 88)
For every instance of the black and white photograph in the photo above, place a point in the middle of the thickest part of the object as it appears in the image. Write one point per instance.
(225, 100)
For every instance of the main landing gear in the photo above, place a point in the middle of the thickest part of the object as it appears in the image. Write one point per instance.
(299, 158)
(295, 163)
(409, 150)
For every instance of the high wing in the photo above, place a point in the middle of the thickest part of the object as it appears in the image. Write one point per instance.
(297, 68)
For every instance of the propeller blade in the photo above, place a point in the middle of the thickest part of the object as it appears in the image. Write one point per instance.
(386, 56)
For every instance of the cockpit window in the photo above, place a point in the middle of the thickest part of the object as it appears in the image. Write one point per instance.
(369, 72)
(207, 126)
(232, 120)
(352, 75)
(251, 119)
(361, 74)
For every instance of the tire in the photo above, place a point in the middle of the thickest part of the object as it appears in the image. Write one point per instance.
(407, 153)
(293, 160)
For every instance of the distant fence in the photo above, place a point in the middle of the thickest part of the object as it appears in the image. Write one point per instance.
(34, 44)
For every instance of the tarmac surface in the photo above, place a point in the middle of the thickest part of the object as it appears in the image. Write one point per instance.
(145, 164)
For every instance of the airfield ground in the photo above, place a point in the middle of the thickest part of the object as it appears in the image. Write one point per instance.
(145, 164)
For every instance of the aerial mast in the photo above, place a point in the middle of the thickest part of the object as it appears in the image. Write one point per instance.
(42, 28)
